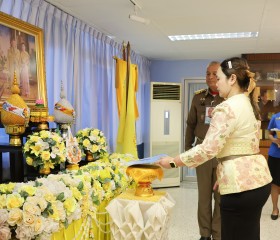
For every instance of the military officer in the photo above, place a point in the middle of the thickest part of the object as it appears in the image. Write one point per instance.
(198, 121)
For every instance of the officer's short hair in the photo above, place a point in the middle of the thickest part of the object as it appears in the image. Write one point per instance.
(213, 63)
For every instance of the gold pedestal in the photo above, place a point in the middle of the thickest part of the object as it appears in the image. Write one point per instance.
(43, 126)
(89, 156)
(144, 189)
(73, 167)
(15, 131)
(45, 171)
(143, 175)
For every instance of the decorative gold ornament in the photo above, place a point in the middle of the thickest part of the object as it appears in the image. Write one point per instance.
(73, 167)
(45, 170)
(89, 156)
(15, 115)
(143, 175)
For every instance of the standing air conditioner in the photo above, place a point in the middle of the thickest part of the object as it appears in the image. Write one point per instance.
(166, 127)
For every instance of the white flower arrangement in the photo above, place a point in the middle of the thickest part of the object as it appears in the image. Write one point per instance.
(39, 208)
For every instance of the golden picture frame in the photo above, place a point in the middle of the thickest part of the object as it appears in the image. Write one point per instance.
(22, 55)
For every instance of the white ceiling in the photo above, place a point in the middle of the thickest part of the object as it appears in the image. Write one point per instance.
(176, 17)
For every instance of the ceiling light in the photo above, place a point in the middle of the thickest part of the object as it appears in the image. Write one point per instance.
(139, 19)
(214, 36)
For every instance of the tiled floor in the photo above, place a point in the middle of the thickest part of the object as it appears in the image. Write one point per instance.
(184, 222)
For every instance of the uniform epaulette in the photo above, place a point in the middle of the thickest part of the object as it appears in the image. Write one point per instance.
(200, 91)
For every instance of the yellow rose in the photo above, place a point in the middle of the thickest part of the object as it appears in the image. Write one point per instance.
(70, 205)
(45, 155)
(10, 187)
(95, 132)
(94, 148)
(3, 188)
(14, 201)
(29, 161)
(29, 189)
(86, 143)
(49, 197)
(15, 216)
(3, 201)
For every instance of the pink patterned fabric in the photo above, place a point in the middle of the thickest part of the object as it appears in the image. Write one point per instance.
(234, 130)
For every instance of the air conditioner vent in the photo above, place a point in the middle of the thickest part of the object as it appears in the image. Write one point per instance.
(166, 91)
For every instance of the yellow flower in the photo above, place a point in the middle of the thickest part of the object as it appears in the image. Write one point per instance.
(10, 186)
(3, 200)
(29, 189)
(55, 214)
(70, 205)
(49, 196)
(36, 149)
(34, 138)
(95, 132)
(29, 161)
(14, 201)
(61, 147)
(3, 188)
(86, 143)
(83, 133)
(45, 155)
(45, 134)
(94, 148)
(48, 164)
(57, 138)
(105, 174)
(76, 193)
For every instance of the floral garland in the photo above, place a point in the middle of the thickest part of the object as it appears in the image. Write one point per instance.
(39, 208)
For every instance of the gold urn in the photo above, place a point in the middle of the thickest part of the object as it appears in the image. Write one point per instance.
(15, 115)
(143, 175)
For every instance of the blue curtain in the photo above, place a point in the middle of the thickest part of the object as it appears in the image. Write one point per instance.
(82, 58)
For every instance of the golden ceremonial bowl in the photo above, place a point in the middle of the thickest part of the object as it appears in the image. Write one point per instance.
(143, 175)
(15, 131)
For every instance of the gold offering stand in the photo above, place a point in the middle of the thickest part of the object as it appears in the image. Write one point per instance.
(40, 116)
(143, 175)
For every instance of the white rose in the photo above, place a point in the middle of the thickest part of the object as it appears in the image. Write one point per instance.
(15, 216)
(24, 232)
(51, 226)
(5, 232)
(4, 215)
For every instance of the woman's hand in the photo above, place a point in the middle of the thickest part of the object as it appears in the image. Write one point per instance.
(164, 162)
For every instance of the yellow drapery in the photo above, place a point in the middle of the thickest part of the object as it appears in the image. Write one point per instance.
(99, 228)
(127, 106)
